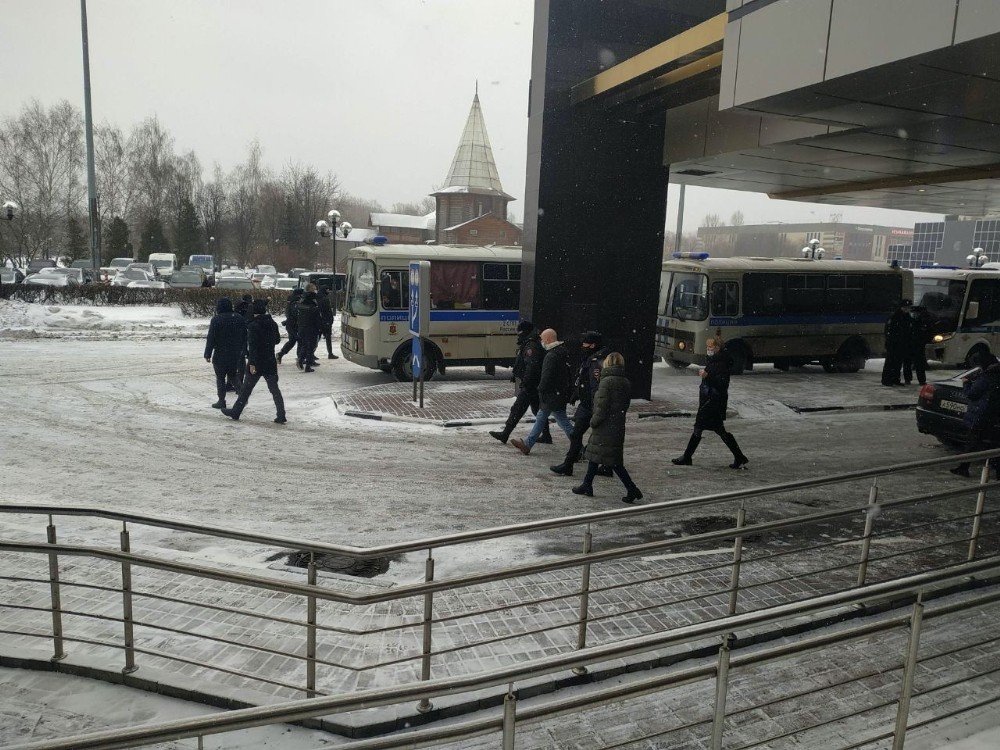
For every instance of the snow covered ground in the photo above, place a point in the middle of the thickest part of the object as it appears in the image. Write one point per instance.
(26, 319)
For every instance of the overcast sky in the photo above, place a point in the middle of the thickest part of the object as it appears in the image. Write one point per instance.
(374, 90)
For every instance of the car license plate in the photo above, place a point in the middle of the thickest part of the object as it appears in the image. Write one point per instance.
(954, 406)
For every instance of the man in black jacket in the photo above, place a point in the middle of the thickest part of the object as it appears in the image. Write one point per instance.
(245, 307)
(554, 388)
(588, 377)
(224, 347)
(308, 319)
(917, 338)
(527, 372)
(897, 343)
(326, 320)
(263, 336)
(291, 322)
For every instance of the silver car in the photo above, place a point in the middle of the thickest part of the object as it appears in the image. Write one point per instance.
(231, 282)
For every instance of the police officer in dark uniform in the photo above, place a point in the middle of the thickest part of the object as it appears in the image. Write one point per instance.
(225, 347)
(918, 334)
(308, 319)
(262, 336)
(291, 323)
(588, 377)
(528, 372)
(897, 335)
(326, 320)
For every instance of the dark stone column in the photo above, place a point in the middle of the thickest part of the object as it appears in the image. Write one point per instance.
(596, 188)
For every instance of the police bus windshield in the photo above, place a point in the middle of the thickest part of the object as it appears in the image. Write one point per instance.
(942, 298)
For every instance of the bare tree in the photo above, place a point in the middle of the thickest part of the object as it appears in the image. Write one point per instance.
(711, 220)
(736, 220)
(213, 208)
(245, 183)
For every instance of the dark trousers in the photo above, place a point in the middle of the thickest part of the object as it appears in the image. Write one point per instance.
(524, 400)
(271, 378)
(326, 332)
(890, 370)
(226, 372)
(727, 438)
(293, 339)
(978, 440)
(307, 347)
(915, 361)
(620, 471)
(581, 423)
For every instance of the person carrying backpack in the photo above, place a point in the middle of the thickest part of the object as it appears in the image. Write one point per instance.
(554, 389)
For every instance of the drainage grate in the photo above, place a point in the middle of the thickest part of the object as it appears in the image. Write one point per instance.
(351, 566)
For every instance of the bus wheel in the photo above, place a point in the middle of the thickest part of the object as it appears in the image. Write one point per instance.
(677, 364)
(827, 365)
(850, 358)
(977, 350)
(402, 366)
(782, 364)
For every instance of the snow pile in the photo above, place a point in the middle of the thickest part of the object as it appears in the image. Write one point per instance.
(27, 319)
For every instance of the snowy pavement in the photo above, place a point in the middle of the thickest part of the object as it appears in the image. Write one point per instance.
(126, 424)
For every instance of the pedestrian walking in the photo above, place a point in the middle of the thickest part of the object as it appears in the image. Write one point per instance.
(291, 322)
(606, 446)
(918, 336)
(982, 388)
(326, 320)
(224, 347)
(588, 378)
(262, 337)
(554, 387)
(245, 308)
(897, 343)
(713, 401)
(308, 319)
(527, 373)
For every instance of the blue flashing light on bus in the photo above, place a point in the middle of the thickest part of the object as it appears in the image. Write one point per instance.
(938, 267)
(691, 256)
(379, 240)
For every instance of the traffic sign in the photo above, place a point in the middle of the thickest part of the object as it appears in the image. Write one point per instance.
(417, 358)
(420, 297)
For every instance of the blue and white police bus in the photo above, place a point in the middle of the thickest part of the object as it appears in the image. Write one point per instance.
(475, 298)
(787, 311)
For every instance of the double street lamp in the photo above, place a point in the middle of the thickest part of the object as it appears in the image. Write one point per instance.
(328, 228)
(813, 251)
(978, 258)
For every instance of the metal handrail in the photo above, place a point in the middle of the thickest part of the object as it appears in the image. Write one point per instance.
(496, 531)
(300, 710)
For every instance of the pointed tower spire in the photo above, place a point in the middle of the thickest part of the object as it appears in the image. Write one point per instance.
(473, 165)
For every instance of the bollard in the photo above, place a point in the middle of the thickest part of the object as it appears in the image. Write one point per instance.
(425, 663)
(509, 717)
(734, 583)
(127, 605)
(581, 636)
(866, 538)
(721, 691)
(909, 669)
(977, 519)
(311, 630)
(57, 632)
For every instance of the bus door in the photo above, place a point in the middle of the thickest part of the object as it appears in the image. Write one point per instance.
(501, 302)
(394, 305)
(982, 313)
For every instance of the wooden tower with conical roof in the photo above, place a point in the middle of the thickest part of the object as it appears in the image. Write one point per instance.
(472, 204)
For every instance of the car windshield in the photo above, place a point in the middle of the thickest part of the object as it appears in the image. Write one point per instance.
(202, 261)
(286, 283)
(135, 274)
(361, 288)
(689, 300)
(942, 298)
(186, 277)
(162, 263)
(235, 284)
(266, 269)
(121, 262)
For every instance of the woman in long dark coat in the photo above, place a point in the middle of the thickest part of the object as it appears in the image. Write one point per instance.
(983, 391)
(713, 400)
(607, 429)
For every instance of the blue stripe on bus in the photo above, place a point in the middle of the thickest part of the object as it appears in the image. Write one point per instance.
(775, 320)
(479, 316)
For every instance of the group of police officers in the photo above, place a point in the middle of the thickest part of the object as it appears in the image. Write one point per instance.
(907, 333)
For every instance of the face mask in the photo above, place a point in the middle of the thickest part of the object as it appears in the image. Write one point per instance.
(711, 352)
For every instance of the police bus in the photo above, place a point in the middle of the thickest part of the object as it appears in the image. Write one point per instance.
(475, 296)
(788, 311)
(963, 311)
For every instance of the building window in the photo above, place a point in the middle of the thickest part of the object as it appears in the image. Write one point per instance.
(473, 232)
(503, 234)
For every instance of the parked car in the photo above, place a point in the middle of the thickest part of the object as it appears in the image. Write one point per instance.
(206, 263)
(89, 274)
(11, 276)
(941, 408)
(231, 273)
(323, 279)
(147, 284)
(126, 277)
(56, 277)
(187, 279)
(109, 271)
(147, 267)
(165, 263)
(38, 264)
(232, 282)
(286, 284)
(294, 273)
(269, 281)
(265, 270)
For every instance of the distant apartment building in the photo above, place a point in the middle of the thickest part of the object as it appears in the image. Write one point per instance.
(948, 242)
(847, 241)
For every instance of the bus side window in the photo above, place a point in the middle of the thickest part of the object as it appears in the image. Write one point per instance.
(725, 299)
(501, 286)
(763, 294)
(394, 289)
(883, 292)
(987, 293)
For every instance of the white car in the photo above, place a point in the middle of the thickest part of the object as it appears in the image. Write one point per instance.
(285, 284)
(234, 282)
(230, 273)
(125, 278)
(150, 284)
(265, 270)
(56, 277)
(271, 281)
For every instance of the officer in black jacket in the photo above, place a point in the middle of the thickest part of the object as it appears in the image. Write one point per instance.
(527, 372)
(918, 335)
(326, 320)
(897, 343)
(245, 307)
(308, 319)
(291, 322)
(588, 377)
(224, 347)
(262, 336)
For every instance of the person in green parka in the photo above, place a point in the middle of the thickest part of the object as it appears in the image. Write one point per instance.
(607, 429)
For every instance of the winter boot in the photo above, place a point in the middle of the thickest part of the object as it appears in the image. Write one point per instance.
(692, 446)
(500, 435)
(584, 489)
(563, 469)
(309, 367)
(633, 495)
(331, 355)
(220, 404)
(521, 446)
(545, 438)
(739, 460)
(232, 414)
(962, 470)
(280, 419)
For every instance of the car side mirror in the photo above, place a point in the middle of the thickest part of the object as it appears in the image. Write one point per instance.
(973, 312)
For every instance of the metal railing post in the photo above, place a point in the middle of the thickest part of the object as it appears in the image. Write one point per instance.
(509, 717)
(977, 519)
(866, 538)
(721, 691)
(311, 630)
(57, 631)
(734, 583)
(425, 663)
(581, 636)
(127, 605)
(909, 669)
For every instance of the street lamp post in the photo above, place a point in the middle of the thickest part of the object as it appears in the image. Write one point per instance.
(813, 251)
(978, 258)
(88, 122)
(328, 228)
